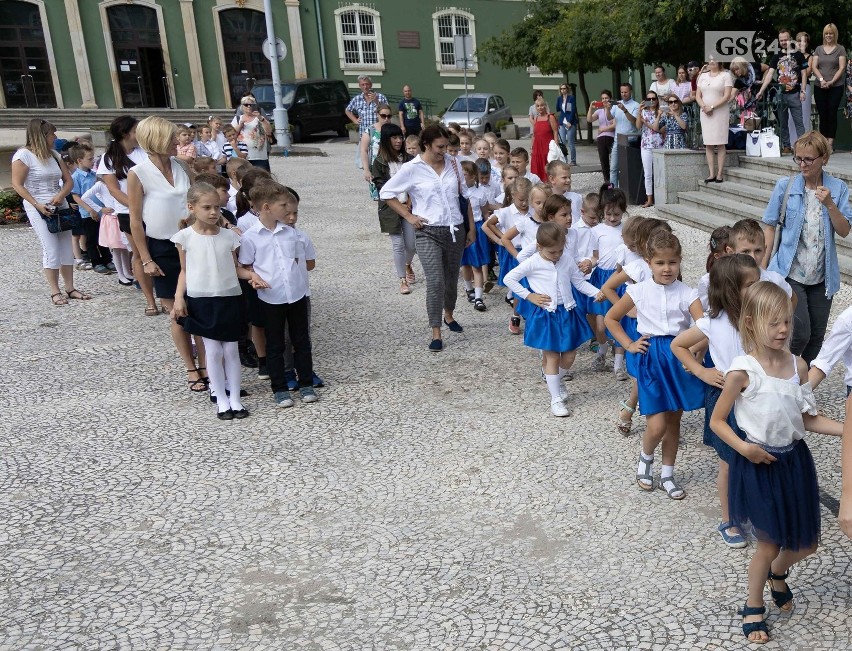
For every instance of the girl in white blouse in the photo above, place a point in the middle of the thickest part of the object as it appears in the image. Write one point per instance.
(553, 325)
(208, 302)
(773, 483)
(730, 278)
(664, 308)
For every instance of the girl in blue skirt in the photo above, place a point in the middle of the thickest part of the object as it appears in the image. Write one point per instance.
(773, 483)
(730, 278)
(475, 258)
(665, 307)
(553, 325)
(608, 240)
(208, 299)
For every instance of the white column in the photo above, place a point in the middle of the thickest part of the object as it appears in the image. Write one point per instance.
(193, 54)
(297, 45)
(84, 74)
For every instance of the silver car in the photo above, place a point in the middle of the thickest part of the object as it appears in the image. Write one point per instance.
(486, 110)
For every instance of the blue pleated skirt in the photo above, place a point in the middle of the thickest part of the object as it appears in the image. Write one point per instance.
(779, 499)
(582, 301)
(560, 331)
(631, 327)
(725, 451)
(506, 262)
(598, 279)
(478, 254)
(525, 307)
(663, 383)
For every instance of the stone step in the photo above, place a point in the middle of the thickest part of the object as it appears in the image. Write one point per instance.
(87, 119)
(745, 194)
(720, 205)
(752, 177)
(707, 220)
(784, 166)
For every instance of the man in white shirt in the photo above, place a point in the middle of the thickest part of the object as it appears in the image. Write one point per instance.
(624, 113)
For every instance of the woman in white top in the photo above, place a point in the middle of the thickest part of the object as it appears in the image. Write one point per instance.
(121, 155)
(157, 189)
(433, 182)
(254, 130)
(41, 179)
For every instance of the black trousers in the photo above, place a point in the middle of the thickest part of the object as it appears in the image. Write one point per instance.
(827, 102)
(293, 317)
(97, 254)
(810, 320)
(604, 148)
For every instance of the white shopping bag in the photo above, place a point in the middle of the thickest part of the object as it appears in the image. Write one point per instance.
(753, 144)
(770, 144)
(554, 153)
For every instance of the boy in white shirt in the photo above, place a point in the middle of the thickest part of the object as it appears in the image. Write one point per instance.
(559, 177)
(519, 158)
(280, 257)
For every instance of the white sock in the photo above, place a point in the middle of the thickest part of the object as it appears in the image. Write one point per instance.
(645, 457)
(477, 292)
(468, 285)
(602, 349)
(509, 295)
(562, 372)
(667, 471)
(216, 372)
(553, 386)
(619, 361)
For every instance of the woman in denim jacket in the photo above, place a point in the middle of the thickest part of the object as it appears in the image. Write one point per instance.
(817, 209)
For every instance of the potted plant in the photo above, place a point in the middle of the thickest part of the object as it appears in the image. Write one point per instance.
(11, 208)
(354, 136)
(508, 130)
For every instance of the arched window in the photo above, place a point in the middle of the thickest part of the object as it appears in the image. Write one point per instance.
(24, 63)
(359, 38)
(447, 25)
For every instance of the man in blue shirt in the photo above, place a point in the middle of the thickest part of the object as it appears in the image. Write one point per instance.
(624, 113)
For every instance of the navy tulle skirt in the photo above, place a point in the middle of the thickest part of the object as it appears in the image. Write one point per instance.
(725, 451)
(779, 499)
(598, 279)
(506, 262)
(478, 254)
(560, 331)
(631, 327)
(663, 383)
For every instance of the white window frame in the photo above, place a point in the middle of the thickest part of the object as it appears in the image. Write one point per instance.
(450, 70)
(376, 38)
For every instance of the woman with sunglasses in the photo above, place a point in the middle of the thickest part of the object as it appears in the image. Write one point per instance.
(566, 116)
(254, 130)
(817, 209)
(647, 119)
(674, 121)
(369, 145)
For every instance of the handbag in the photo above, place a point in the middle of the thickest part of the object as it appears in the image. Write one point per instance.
(562, 148)
(781, 217)
(62, 219)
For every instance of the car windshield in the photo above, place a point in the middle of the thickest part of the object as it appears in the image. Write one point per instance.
(265, 95)
(476, 104)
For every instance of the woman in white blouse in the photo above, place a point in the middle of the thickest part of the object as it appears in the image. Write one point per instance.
(434, 184)
(156, 189)
(41, 179)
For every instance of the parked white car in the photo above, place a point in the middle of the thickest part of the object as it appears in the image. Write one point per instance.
(485, 109)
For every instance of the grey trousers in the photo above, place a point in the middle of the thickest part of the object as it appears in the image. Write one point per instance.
(403, 247)
(440, 258)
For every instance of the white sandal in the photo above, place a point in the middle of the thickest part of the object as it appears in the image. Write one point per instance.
(625, 426)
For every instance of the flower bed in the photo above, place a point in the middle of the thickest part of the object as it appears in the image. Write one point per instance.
(12, 208)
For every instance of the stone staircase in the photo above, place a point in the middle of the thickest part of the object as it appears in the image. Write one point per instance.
(745, 193)
(87, 119)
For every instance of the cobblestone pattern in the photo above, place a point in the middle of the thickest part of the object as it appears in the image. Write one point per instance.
(425, 502)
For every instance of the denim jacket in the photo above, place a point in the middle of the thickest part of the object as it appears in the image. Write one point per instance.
(792, 229)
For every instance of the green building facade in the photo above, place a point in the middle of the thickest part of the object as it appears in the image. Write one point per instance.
(204, 53)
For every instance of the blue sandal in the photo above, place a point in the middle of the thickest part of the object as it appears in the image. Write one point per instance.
(753, 627)
(780, 597)
(646, 475)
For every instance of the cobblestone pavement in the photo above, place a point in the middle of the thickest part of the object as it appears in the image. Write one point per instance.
(425, 502)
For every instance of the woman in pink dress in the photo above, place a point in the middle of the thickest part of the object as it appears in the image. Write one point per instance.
(714, 89)
(544, 131)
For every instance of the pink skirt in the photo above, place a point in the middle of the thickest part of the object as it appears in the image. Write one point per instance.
(109, 235)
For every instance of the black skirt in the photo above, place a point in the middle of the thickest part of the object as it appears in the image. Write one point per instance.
(165, 254)
(215, 317)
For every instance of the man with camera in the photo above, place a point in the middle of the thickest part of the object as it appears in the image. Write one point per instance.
(792, 70)
(362, 110)
(623, 112)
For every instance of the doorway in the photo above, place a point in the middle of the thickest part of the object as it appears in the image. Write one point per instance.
(142, 77)
(24, 65)
(243, 33)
